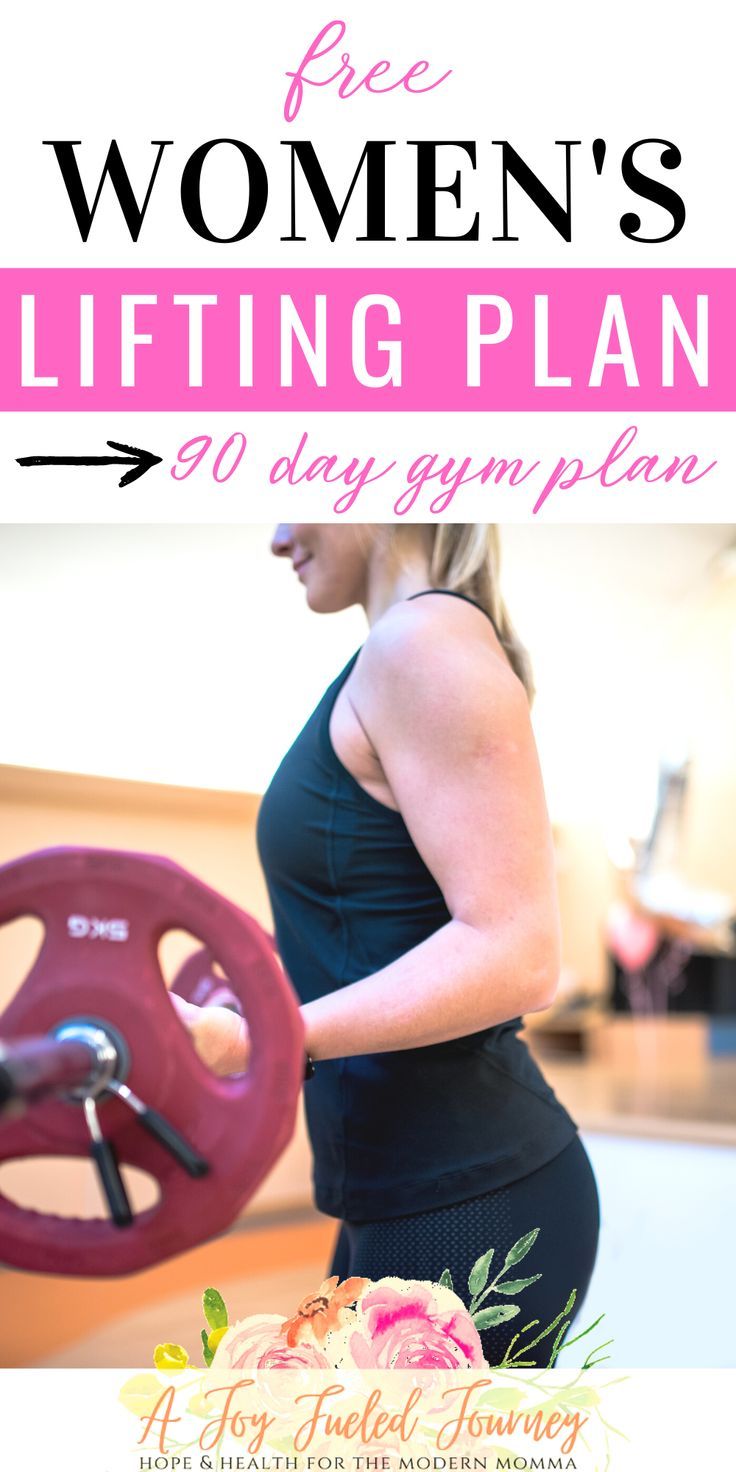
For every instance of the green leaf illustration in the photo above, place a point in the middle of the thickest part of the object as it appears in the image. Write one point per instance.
(570, 1302)
(520, 1249)
(207, 1354)
(496, 1315)
(446, 1280)
(479, 1273)
(590, 1363)
(214, 1308)
(582, 1395)
(515, 1285)
(503, 1399)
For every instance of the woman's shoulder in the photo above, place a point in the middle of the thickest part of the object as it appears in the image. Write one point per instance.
(425, 651)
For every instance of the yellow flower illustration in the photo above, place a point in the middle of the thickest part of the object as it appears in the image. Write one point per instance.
(170, 1358)
(140, 1394)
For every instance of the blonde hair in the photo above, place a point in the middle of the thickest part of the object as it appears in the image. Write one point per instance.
(465, 557)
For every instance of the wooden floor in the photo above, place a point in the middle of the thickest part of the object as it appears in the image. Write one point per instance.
(48, 1321)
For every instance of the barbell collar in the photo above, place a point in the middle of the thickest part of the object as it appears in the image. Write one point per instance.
(33, 1067)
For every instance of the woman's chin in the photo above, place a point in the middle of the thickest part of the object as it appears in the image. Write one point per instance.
(314, 601)
(322, 600)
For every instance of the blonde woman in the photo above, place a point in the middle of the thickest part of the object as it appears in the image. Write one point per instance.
(408, 855)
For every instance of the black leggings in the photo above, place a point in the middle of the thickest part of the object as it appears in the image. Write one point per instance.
(560, 1198)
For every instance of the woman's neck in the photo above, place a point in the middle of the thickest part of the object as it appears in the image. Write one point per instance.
(388, 583)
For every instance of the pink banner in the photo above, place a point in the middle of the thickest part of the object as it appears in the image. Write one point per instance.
(373, 338)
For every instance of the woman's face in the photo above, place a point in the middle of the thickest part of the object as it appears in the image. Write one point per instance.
(331, 561)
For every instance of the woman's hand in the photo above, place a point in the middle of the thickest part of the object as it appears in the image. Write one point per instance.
(219, 1035)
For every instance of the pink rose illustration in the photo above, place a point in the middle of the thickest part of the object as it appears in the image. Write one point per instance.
(404, 1326)
(259, 1343)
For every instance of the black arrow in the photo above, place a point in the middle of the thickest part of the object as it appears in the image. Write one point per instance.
(141, 460)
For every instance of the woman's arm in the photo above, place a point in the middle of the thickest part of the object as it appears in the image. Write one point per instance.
(449, 723)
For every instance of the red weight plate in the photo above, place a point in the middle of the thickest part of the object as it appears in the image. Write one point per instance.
(197, 982)
(104, 914)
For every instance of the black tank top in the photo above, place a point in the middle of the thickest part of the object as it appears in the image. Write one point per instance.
(400, 1132)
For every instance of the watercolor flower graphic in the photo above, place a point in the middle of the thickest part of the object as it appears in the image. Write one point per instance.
(261, 1343)
(325, 1310)
(391, 1323)
(407, 1325)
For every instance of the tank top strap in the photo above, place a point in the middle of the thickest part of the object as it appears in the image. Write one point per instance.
(329, 699)
(453, 593)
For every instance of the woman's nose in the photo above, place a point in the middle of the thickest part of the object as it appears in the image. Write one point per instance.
(282, 541)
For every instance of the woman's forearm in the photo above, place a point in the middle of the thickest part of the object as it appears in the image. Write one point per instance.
(459, 980)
